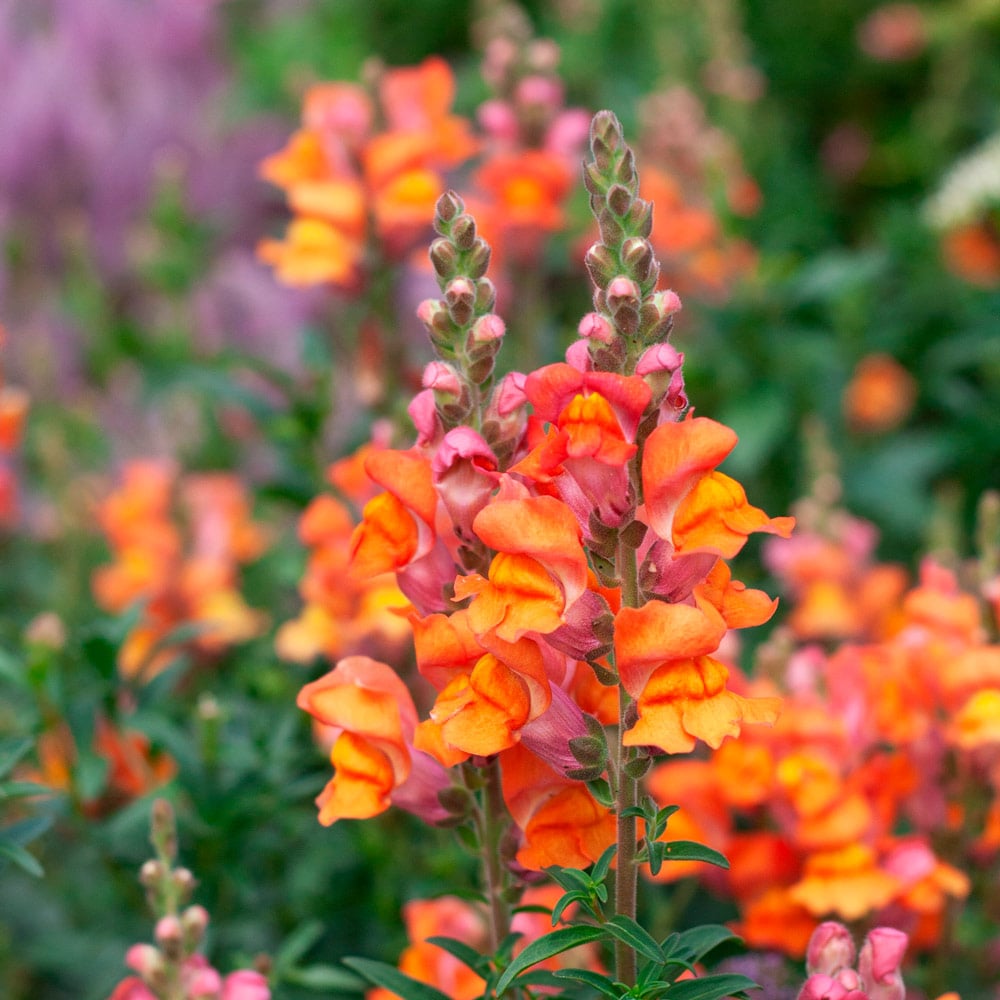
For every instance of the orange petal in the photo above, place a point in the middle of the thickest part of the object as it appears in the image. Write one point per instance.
(676, 456)
(361, 786)
(716, 517)
(646, 637)
(481, 714)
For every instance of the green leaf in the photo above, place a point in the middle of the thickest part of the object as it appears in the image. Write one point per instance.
(637, 938)
(324, 977)
(22, 789)
(710, 987)
(601, 791)
(20, 857)
(689, 850)
(298, 943)
(545, 947)
(569, 878)
(11, 751)
(389, 977)
(697, 942)
(593, 979)
(466, 954)
(603, 863)
(577, 896)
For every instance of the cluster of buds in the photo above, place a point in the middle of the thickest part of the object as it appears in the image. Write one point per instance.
(463, 328)
(173, 968)
(830, 964)
(630, 314)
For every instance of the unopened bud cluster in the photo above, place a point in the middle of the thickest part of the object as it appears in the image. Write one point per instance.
(830, 965)
(464, 330)
(173, 968)
(630, 315)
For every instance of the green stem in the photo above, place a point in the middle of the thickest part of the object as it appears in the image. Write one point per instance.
(494, 825)
(626, 878)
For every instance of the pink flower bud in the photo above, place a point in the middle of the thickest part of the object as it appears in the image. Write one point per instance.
(821, 987)
(487, 328)
(245, 985)
(144, 959)
(200, 979)
(169, 935)
(596, 327)
(539, 91)
(442, 378)
(194, 921)
(498, 120)
(568, 133)
(622, 288)
(831, 948)
(879, 963)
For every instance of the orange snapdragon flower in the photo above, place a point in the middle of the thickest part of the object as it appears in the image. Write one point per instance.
(183, 577)
(371, 721)
(337, 173)
(561, 822)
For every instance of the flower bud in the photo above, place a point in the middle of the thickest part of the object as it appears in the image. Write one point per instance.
(448, 206)
(460, 294)
(443, 379)
(596, 327)
(444, 257)
(656, 317)
(640, 218)
(184, 882)
(486, 295)
(433, 313)
(169, 936)
(601, 264)
(879, 963)
(163, 830)
(830, 949)
(477, 259)
(619, 200)
(488, 328)
(145, 959)
(625, 171)
(151, 874)
(612, 230)
(245, 984)
(822, 987)
(622, 290)
(463, 231)
(638, 257)
(194, 921)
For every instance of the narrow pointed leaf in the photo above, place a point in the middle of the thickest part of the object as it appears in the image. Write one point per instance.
(710, 987)
(603, 863)
(636, 937)
(697, 942)
(466, 954)
(11, 751)
(389, 977)
(594, 980)
(545, 947)
(20, 857)
(690, 850)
